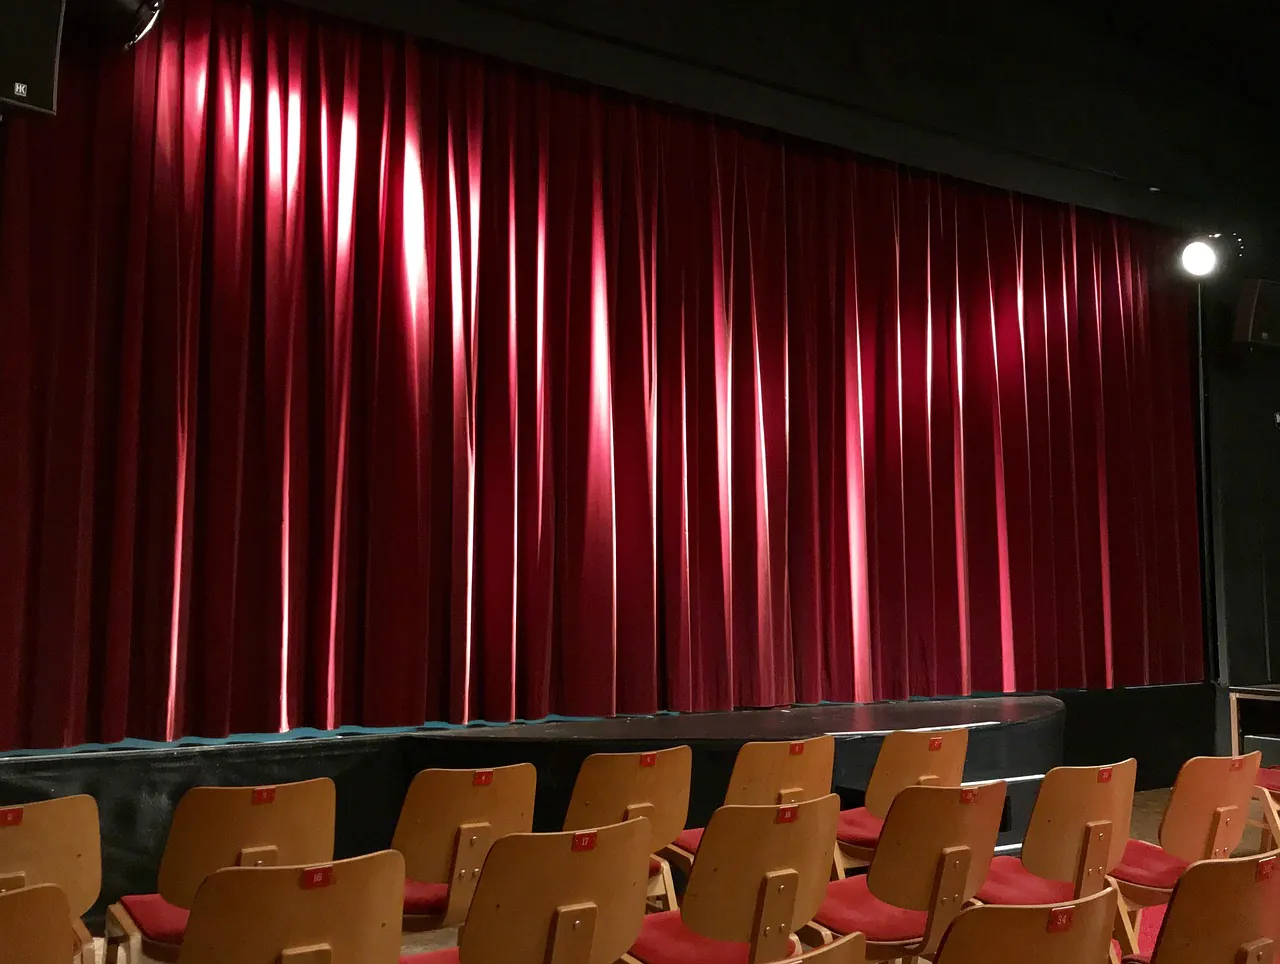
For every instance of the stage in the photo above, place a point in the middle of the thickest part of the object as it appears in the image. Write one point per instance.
(1014, 738)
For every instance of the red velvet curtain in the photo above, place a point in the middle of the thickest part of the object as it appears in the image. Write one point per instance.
(347, 380)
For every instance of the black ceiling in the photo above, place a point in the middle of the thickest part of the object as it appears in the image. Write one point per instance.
(1231, 45)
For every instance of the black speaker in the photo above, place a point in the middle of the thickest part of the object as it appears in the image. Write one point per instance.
(30, 37)
(1258, 314)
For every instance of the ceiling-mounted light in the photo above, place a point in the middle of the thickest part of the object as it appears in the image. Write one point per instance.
(145, 17)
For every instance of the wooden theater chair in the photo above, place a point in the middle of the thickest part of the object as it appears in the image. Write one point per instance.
(55, 842)
(933, 855)
(907, 758)
(575, 897)
(33, 926)
(1075, 932)
(622, 786)
(214, 828)
(345, 912)
(449, 820)
(761, 873)
(1206, 817)
(767, 775)
(1078, 831)
(1222, 910)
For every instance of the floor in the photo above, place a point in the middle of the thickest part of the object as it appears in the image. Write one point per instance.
(1147, 809)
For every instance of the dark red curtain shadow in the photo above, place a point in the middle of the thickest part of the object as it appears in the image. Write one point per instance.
(346, 380)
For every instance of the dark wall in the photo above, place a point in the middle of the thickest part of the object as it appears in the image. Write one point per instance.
(1243, 402)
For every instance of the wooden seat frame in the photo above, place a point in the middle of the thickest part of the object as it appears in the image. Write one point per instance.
(623, 786)
(1066, 933)
(33, 922)
(1206, 816)
(55, 842)
(761, 874)
(934, 852)
(586, 906)
(344, 911)
(219, 827)
(907, 758)
(770, 774)
(449, 821)
(1217, 912)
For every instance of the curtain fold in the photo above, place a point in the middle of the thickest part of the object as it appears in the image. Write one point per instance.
(347, 379)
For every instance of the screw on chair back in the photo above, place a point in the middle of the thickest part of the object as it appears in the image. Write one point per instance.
(53, 842)
(450, 819)
(1223, 910)
(1055, 934)
(909, 758)
(622, 786)
(345, 912)
(33, 922)
(850, 949)
(935, 850)
(772, 773)
(1209, 807)
(574, 897)
(761, 873)
(217, 827)
(1080, 824)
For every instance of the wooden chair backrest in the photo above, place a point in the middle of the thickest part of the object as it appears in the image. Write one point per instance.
(1220, 907)
(35, 926)
(345, 912)
(1071, 801)
(922, 824)
(622, 786)
(1057, 934)
(1209, 807)
(491, 802)
(850, 949)
(908, 757)
(767, 774)
(759, 868)
(53, 842)
(574, 897)
(217, 827)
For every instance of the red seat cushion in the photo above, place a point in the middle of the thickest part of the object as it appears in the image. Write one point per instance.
(664, 939)
(1137, 959)
(158, 919)
(1147, 865)
(1009, 882)
(1269, 779)
(448, 955)
(689, 839)
(423, 898)
(850, 906)
(655, 866)
(859, 827)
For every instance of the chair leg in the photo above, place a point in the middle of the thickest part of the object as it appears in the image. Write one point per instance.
(1125, 929)
(662, 888)
(1270, 816)
(121, 931)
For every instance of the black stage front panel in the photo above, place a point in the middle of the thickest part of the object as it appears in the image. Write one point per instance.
(137, 789)
(1011, 737)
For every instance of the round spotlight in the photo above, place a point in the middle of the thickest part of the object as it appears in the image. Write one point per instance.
(1199, 259)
